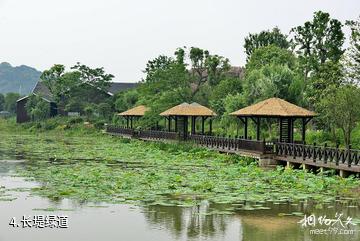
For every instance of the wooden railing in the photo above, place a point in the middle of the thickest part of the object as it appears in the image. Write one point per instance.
(324, 154)
(145, 134)
(120, 130)
(233, 144)
(157, 135)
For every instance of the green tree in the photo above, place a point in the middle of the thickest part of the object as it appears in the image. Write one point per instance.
(265, 38)
(318, 41)
(272, 71)
(343, 109)
(37, 108)
(352, 60)
(228, 86)
(272, 81)
(96, 77)
(206, 68)
(271, 55)
(10, 102)
(125, 100)
(2, 102)
(104, 110)
(51, 78)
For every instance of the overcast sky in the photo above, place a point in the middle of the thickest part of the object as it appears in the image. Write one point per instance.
(121, 35)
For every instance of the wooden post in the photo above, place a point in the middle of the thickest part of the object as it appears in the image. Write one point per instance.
(193, 126)
(280, 130)
(289, 130)
(210, 126)
(246, 128)
(303, 130)
(186, 123)
(127, 121)
(258, 129)
(131, 122)
(203, 125)
(349, 155)
(169, 123)
(176, 124)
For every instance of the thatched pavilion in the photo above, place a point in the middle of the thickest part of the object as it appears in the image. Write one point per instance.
(277, 108)
(181, 113)
(133, 113)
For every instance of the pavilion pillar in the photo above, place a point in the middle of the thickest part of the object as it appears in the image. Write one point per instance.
(176, 124)
(303, 130)
(210, 126)
(258, 129)
(193, 126)
(291, 130)
(246, 128)
(131, 122)
(127, 121)
(169, 123)
(202, 125)
(185, 130)
(280, 129)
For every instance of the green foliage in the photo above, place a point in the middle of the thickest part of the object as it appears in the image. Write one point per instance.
(319, 45)
(77, 89)
(10, 102)
(37, 108)
(352, 60)
(102, 168)
(342, 109)
(89, 111)
(265, 38)
(272, 81)
(206, 68)
(97, 77)
(104, 110)
(2, 102)
(271, 55)
(126, 100)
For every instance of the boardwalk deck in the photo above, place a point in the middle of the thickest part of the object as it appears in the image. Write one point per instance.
(311, 155)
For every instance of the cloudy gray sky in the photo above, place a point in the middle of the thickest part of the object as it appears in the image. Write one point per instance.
(121, 35)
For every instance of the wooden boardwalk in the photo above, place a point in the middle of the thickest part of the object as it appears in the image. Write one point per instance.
(344, 160)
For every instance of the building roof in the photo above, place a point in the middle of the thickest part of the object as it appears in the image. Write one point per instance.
(116, 87)
(186, 109)
(42, 90)
(136, 111)
(274, 107)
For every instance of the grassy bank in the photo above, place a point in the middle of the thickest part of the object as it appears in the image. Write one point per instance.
(77, 161)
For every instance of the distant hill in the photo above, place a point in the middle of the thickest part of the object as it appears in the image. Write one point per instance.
(20, 79)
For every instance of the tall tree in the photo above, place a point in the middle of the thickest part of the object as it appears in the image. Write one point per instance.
(206, 68)
(265, 38)
(342, 109)
(271, 55)
(51, 78)
(96, 77)
(37, 108)
(352, 60)
(10, 102)
(318, 41)
(2, 101)
(319, 45)
(272, 71)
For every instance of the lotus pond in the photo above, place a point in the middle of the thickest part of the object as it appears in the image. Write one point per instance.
(171, 191)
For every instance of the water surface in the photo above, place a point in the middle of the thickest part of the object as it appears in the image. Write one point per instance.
(103, 221)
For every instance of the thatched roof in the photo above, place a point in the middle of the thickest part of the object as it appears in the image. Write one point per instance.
(136, 111)
(274, 107)
(185, 109)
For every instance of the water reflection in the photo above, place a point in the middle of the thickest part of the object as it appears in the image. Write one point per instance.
(191, 222)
